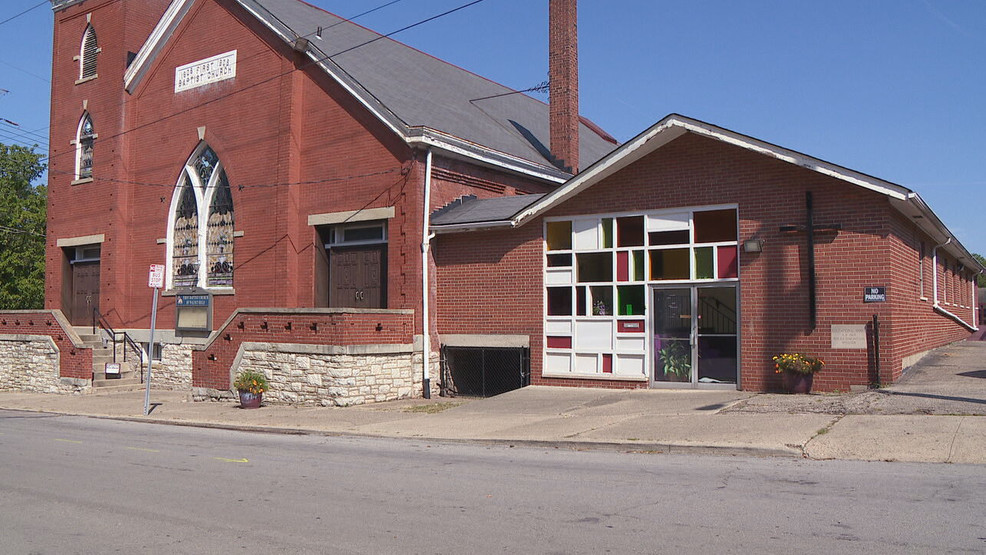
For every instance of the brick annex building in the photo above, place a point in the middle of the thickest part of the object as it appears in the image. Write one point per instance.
(327, 201)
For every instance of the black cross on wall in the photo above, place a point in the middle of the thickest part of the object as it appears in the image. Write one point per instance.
(810, 229)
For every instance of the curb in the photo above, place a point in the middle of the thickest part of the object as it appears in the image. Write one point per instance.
(608, 446)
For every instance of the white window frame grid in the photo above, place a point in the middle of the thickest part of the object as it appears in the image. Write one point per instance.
(638, 356)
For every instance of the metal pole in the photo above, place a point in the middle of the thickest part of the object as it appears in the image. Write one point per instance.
(813, 306)
(876, 347)
(150, 357)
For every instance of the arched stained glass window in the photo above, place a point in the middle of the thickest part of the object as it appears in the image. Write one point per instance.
(87, 56)
(185, 258)
(220, 235)
(83, 147)
(202, 224)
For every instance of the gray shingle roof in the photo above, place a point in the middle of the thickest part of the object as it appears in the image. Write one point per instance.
(423, 91)
(470, 210)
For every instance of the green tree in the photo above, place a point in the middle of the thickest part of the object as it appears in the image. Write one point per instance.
(22, 228)
(981, 278)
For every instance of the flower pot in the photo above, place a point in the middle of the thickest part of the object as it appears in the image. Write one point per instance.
(796, 382)
(250, 400)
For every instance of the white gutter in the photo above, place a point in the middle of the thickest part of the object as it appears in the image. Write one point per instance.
(934, 275)
(425, 297)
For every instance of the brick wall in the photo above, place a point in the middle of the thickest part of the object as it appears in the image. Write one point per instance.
(75, 360)
(491, 282)
(212, 363)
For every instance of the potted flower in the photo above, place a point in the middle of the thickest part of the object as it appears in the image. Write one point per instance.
(797, 370)
(251, 385)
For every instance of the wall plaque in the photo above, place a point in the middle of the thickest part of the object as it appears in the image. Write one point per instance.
(203, 72)
(848, 336)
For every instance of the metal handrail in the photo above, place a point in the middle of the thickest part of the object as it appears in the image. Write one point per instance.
(121, 336)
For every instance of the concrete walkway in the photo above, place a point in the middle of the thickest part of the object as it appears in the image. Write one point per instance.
(937, 413)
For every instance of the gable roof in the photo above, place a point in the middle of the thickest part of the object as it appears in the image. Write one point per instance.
(904, 200)
(424, 100)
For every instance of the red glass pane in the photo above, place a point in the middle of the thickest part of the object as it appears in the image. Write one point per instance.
(727, 262)
(623, 266)
(607, 364)
(557, 342)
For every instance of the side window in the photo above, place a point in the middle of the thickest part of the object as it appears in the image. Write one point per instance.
(87, 54)
(84, 138)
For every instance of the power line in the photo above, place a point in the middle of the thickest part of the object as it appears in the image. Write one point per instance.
(13, 17)
(36, 76)
(21, 231)
(23, 131)
(282, 74)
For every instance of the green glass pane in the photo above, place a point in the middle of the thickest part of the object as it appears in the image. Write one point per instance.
(638, 265)
(607, 233)
(703, 263)
(559, 236)
(669, 264)
(631, 300)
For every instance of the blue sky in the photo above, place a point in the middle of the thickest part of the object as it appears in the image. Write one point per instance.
(892, 88)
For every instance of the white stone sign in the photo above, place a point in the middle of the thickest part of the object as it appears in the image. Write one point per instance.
(848, 336)
(210, 70)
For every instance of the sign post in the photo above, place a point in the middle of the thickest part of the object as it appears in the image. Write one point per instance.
(155, 280)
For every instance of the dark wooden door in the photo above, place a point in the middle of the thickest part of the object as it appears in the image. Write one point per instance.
(356, 277)
(85, 292)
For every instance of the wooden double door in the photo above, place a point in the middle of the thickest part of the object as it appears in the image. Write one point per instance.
(357, 276)
(85, 292)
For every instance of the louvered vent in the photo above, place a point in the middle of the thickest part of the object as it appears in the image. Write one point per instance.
(89, 49)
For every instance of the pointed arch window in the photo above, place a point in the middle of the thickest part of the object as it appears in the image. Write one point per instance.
(201, 232)
(87, 54)
(84, 138)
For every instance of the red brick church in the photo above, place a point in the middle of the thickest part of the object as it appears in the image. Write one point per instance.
(363, 222)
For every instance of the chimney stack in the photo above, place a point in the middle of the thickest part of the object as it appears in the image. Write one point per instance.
(563, 75)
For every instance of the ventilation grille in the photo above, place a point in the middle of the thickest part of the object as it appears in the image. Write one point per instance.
(89, 49)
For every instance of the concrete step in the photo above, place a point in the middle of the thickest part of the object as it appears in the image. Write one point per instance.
(102, 382)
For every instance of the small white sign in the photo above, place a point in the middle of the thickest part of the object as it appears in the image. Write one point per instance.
(156, 279)
(203, 72)
(112, 369)
(848, 336)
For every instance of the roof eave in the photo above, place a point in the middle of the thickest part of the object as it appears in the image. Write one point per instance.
(925, 218)
(461, 148)
(672, 127)
(471, 226)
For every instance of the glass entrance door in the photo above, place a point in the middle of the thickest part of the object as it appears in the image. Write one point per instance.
(694, 335)
(717, 361)
(673, 324)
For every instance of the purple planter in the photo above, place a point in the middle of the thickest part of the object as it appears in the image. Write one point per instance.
(795, 382)
(250, 400)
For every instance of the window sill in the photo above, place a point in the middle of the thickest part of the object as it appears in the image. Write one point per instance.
(86, 79)
(925, 299)
(213, 292)
(607, 377)
(82, 181)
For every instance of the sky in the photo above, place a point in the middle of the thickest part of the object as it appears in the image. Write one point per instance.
(891, 88)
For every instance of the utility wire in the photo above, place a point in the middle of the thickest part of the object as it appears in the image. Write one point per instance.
(282, 74)
(13, 17)
(21, 231)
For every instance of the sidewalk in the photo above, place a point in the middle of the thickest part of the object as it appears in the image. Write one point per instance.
(660, 421)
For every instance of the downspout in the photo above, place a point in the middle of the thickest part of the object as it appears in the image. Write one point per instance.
(934, 274)
(425, 246)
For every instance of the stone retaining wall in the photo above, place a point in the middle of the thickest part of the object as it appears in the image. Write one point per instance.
(32, 363)
(328, 375)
